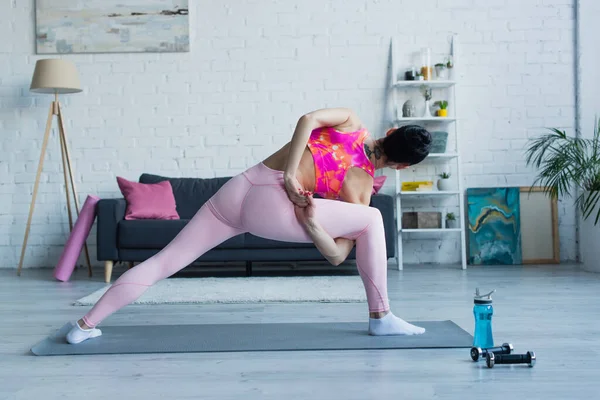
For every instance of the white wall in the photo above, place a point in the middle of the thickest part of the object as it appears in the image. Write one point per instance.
(589, 112)
(253, 69)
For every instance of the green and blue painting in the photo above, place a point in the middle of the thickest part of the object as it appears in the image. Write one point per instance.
(494, 226)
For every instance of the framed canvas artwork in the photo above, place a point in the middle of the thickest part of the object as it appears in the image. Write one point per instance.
(539, 227)
(111, 26)
(494, 226)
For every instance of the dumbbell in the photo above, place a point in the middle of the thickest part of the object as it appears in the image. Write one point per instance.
(493, 359)
(479, 353)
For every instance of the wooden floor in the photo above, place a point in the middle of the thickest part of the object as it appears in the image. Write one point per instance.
(552, 310)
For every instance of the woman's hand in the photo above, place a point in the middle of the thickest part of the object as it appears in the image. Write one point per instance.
(306, 214)
(295, 191)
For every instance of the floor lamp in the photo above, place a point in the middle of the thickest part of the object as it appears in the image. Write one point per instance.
(55, 76)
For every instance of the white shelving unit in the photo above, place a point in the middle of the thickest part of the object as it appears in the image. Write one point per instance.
(449, 124)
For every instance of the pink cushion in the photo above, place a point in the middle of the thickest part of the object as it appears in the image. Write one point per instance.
(378, 182)
(148, 200)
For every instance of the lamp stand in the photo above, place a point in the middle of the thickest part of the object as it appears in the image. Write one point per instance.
(67, 172)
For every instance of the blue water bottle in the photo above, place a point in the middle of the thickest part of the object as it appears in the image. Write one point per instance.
(483, 311)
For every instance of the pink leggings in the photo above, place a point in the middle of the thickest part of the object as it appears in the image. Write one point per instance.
(255, 201)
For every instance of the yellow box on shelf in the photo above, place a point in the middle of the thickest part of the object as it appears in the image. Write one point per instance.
(414, 186)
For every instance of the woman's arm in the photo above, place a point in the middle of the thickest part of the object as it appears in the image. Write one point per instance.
(306, 124)
(334, 250)
(343, 246)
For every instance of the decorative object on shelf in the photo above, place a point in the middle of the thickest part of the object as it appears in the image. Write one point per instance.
(424, 188)
(494, 226)
(443, 111)
(112, 26)
(411, 74)
(55, 76)
(426, 69)
(451, 222)
(439, 141)
(441, 71)
(417, 186)
(408, 109)
(444, 183)
(421, 220)
(426, 91)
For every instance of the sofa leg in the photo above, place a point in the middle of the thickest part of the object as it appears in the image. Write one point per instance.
(108, 267)
(248, 268)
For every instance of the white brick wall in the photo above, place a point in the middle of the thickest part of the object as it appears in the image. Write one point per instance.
(253, 69)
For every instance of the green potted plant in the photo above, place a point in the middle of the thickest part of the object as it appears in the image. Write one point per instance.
(570, 167)
(451, 222)
(441, 71)
(443, 111)
(566, 165)
(443, 183)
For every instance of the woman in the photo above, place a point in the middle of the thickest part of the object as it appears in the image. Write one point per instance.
(330, 154)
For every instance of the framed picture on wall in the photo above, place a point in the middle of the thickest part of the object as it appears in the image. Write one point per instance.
(111, 26)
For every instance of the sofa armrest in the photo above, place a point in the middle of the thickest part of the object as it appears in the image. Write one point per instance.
(109, 212)
(385, 204)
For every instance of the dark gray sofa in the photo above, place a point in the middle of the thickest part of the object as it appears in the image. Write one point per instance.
(137, 240)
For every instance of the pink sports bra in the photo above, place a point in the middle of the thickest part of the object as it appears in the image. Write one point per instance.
(334, 152)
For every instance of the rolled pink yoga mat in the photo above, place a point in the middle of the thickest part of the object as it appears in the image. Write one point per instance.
(81, 230)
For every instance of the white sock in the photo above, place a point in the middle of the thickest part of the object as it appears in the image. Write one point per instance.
(78, 335)
(392, 325)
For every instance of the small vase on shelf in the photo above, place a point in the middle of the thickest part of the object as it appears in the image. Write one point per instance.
(426, 92)
(427, 111)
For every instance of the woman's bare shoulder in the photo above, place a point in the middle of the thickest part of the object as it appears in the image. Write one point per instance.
(353, 124)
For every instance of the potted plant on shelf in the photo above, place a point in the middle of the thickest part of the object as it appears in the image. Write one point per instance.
(443, 111)
(451, 222)
(443, 183)
(570, 166)
(441, 71)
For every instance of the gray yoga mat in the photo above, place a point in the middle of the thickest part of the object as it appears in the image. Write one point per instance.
(250, 337)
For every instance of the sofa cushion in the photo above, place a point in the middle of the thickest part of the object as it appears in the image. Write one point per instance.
(190, 193)
(148, 200)
(156, 234)
(378, 183)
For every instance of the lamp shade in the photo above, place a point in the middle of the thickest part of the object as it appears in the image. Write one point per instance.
(55, 76)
